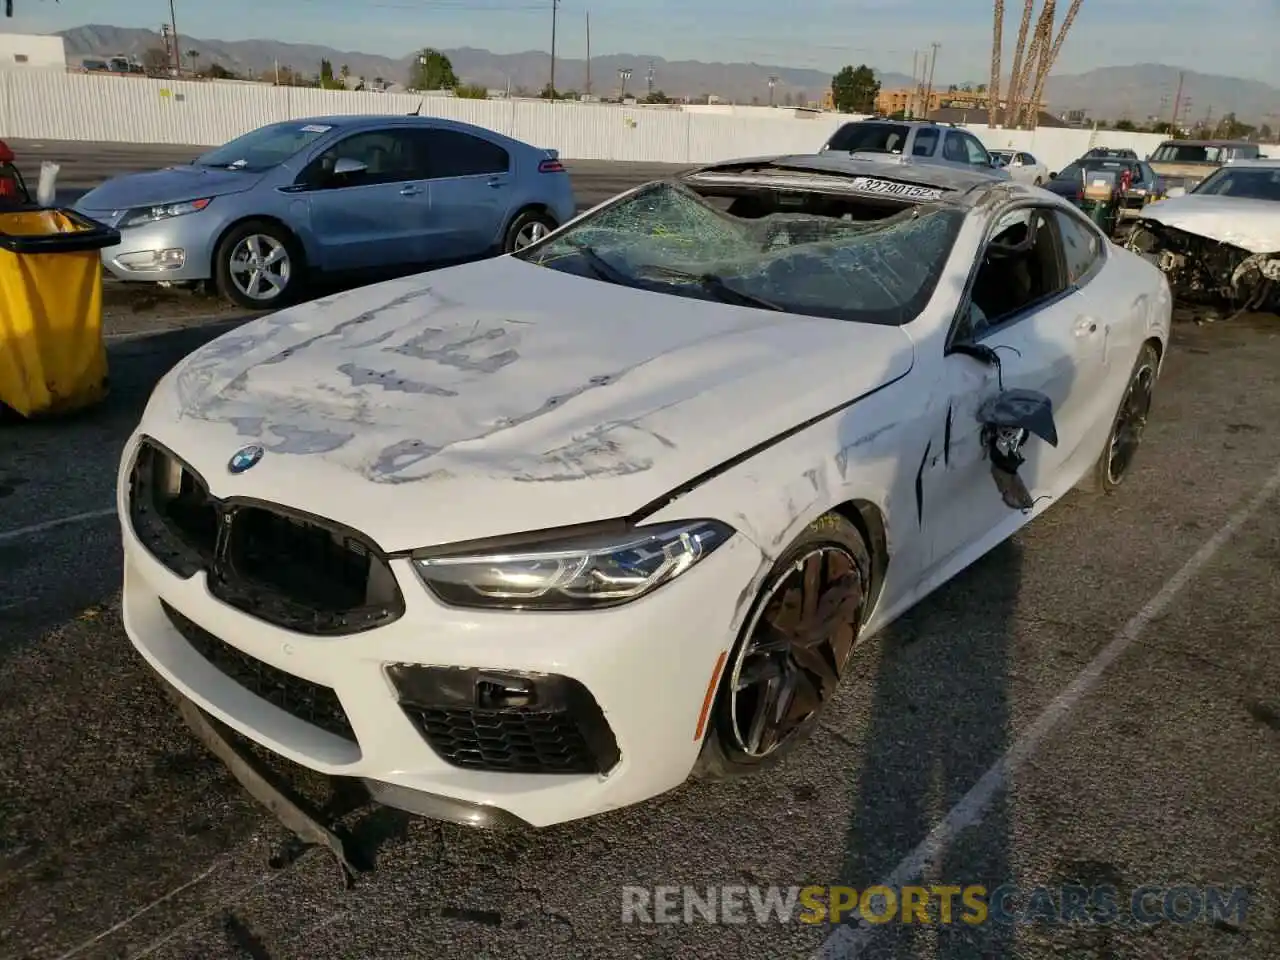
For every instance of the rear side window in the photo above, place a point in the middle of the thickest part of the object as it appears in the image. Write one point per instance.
(954, 149)
(870, 138)
(926, 144)
(451, 153)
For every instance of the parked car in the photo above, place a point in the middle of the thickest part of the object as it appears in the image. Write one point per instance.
(915, 141)
(1184, 163)
(1221, 241)
(268, 211)
(1112, 153)
(1022, 166)
(535, 537)
(1145, 184)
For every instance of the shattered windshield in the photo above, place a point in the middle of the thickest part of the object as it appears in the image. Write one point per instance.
(265, 148)
(1243, 183)
(665, 238)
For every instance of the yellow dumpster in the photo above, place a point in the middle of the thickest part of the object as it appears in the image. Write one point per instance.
(52, 355)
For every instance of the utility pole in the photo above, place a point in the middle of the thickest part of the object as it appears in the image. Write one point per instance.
(588, 53)
(915, 84)
(928, 93)
(552, 86)
(649, 78)
(1177, 103)
(773, 82)
(624, 75)
(177, 47)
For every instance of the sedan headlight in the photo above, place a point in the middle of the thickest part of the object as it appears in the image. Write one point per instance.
(581, 573)
(165, 211)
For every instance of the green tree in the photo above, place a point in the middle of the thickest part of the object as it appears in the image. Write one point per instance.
(471, 91)
(546, 93)
(432, 71)
(1126, 125)
(1264, 131)
(1229, 128)
(327, 80)
(854, 90)
(218, 72)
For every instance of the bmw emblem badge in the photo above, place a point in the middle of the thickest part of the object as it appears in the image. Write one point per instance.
(244, 458)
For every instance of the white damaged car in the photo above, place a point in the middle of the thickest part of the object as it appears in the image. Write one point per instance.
(533, 538)
(1221, 241)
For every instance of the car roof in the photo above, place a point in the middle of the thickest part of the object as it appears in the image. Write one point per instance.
(1210, 143)
(967, 187)
(1262, 163)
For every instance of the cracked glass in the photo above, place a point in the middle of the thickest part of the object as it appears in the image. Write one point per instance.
(668, 239)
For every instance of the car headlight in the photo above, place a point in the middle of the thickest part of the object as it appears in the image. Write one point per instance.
(165, 211)
(579, 573)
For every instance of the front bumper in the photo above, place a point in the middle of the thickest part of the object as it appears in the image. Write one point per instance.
(175, 250)
(647, 666)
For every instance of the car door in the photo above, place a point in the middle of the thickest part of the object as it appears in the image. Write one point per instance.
(373, 218)
(471, 193)
(1020, 302)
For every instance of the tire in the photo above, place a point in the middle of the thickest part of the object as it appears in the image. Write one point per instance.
(268, 240)
(1115, 462)
(834, 550)
(528, 227)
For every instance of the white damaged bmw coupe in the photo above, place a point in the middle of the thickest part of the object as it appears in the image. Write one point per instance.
(536, 537)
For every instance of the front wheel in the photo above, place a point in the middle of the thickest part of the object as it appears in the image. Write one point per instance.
(793, 651)
(1116, 461)
(258, 266)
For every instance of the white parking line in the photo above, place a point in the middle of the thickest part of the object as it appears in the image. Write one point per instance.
(850, 941)
(38, 528)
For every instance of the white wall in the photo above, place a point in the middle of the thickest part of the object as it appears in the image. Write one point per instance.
(66, 106)
(41, 52)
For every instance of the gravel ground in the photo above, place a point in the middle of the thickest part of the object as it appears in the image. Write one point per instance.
(121, 837)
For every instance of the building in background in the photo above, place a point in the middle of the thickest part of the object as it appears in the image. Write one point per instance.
(28, 51)
(904, 99)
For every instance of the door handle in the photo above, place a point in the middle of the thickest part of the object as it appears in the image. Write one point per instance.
(1086, 326)
(496, 182)
(410, 190)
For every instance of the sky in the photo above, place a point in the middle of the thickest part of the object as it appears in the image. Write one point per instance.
(1233, 38)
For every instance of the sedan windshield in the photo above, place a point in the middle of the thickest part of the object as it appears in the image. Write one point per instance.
(264, 148)
(665, 238)
(1243, 183)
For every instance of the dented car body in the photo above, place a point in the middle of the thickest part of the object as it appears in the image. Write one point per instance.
(533, 538)
(1220, 243)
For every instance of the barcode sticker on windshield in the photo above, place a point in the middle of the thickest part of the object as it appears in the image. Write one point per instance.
(316, 128)
(889, 188)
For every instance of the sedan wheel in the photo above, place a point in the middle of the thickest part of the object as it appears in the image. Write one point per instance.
(260, 267)
(1131, 421)
(531, 233)
(793, 653)
(527, 229)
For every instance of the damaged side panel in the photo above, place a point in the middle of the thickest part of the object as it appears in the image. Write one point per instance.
(1205, 271)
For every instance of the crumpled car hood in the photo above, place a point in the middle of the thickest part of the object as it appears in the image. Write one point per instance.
(1252, 225)
(501, 396)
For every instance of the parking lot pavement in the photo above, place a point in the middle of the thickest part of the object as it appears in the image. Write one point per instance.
(121, 837)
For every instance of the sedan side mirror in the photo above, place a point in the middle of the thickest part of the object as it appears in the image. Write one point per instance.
(345, 167)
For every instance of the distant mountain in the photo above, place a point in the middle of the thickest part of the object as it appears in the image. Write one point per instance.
(1108, 93)
(1135, 93)
(528, 71)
